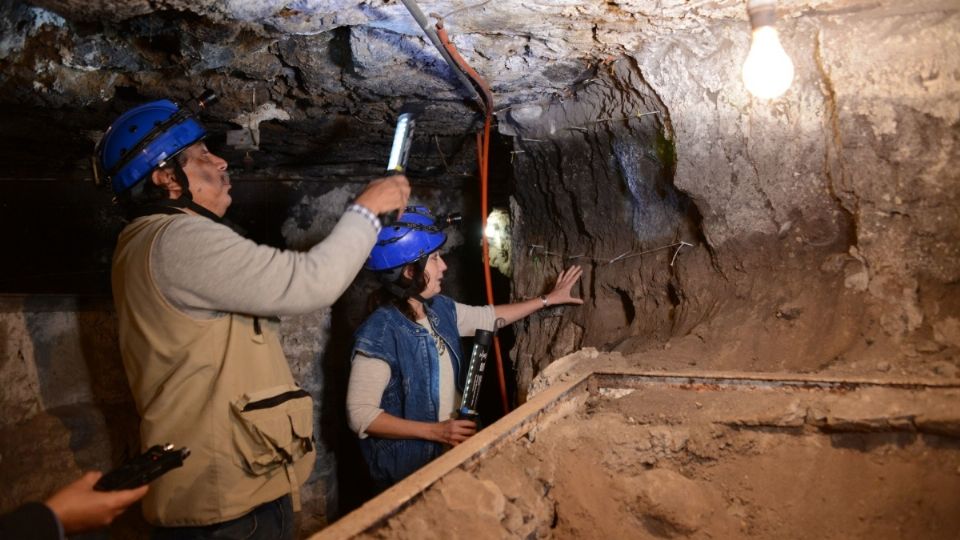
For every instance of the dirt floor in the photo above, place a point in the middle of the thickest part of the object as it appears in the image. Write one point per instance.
(674, 461)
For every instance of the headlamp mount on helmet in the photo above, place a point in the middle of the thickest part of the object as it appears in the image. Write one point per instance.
(440, 222)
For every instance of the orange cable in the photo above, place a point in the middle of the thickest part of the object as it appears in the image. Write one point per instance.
(483, 157)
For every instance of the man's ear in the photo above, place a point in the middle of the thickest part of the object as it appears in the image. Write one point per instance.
(166, 179)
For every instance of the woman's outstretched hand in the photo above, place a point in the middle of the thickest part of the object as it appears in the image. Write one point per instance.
(560, 294)
(565, 281)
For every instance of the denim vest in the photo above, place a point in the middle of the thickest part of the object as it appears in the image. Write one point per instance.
(413, 391)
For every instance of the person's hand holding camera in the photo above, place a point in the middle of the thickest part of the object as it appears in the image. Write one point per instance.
(80, 508)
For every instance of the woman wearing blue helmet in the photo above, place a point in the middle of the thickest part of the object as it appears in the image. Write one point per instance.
(404, 380)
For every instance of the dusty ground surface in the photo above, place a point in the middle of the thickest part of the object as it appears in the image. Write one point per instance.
(672, 462)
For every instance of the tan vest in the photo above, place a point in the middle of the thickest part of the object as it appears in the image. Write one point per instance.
(219, 387)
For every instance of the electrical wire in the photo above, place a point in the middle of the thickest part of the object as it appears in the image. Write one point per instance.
(483, 159)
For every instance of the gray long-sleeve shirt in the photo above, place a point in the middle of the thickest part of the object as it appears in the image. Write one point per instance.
(205, 269)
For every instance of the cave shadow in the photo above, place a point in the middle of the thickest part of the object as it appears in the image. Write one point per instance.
(110, 390)
(99, 343)
(869, 441)
(104, 432)
(353, 483)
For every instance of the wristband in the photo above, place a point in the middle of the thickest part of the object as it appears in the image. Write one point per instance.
(367, 214)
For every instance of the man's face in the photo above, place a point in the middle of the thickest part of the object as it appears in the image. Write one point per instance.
(209, 181)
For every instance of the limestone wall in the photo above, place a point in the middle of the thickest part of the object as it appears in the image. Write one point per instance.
(825, 223)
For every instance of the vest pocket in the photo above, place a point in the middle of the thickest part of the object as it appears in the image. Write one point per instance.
(272, 427)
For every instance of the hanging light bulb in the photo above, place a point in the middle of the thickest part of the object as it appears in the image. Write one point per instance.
(767, 71)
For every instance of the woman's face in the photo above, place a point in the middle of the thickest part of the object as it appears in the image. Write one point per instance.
(433, 273)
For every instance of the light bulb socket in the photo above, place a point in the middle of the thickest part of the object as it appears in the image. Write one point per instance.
(762, 13)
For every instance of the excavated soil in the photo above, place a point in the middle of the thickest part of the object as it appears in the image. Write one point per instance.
(701, 462)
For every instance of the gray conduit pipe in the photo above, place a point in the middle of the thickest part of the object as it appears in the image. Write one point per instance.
(431, 33)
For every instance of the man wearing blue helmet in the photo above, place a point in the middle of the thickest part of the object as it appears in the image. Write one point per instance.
(404, 379)
(197, 306)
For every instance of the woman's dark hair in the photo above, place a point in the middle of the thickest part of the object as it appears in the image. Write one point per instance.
(384, 296)
(145, 192)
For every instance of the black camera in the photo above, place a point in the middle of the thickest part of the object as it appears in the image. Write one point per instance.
(144, 468)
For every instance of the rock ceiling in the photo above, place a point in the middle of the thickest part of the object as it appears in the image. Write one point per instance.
(313, 71)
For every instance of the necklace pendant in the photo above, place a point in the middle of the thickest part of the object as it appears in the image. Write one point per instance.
(441, 346)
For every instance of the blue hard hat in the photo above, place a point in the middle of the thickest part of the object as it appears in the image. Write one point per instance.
(414, 236)
(143, 138)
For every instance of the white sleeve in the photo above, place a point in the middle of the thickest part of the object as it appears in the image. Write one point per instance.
(470, 318)
(368, 379)
(202, 265)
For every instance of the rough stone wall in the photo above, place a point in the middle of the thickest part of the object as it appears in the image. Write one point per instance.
(858, 152)
(593, 177)
(847, 185)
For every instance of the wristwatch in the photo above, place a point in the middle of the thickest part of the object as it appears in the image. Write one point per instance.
(543, 298)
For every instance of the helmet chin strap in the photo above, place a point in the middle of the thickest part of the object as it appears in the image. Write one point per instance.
(390, 279)
(186, 198)
(400, 292)
(184, 202)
